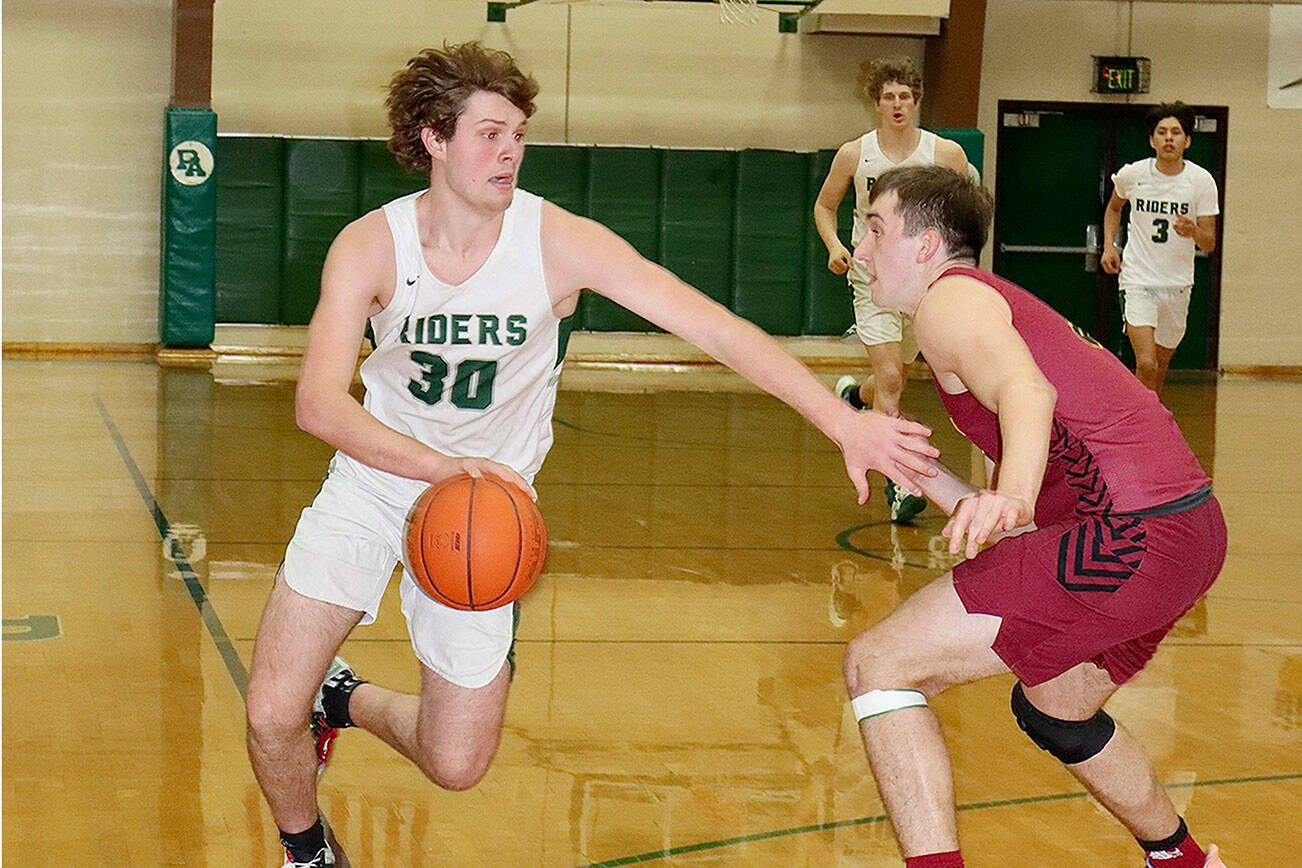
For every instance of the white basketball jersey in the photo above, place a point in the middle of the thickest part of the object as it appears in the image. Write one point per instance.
(471, 370)
(1154, 255)
(872, 162)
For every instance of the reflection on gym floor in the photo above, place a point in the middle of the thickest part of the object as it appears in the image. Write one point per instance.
(678, 695)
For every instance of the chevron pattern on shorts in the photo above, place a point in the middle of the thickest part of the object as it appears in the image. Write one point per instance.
(1101, 554)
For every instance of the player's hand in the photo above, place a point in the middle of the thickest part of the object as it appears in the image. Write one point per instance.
(479, 467)
(1184, 227)
(1111, 261)
(984, 514)
(894, 446)
(838, 260)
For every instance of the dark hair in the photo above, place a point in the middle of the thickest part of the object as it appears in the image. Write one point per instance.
(433, 88)
(934, 197)
(876, 74)
(1177, 110)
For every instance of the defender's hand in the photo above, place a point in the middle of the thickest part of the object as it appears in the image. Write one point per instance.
(984, 514)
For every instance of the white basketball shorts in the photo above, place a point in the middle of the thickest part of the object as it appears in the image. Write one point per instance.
(1165, 308)
(343, 552)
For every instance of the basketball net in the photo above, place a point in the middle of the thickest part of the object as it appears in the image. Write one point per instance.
(738, 11)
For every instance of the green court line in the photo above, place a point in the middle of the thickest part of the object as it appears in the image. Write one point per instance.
(685, 849)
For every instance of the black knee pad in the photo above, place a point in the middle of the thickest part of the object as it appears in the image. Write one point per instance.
(1070, 741)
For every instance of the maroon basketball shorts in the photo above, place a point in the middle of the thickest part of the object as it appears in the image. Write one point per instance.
(1097, 588)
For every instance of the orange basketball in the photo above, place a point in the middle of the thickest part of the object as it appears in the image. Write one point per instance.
(475, 544)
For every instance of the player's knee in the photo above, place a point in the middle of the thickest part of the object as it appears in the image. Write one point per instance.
(1146, 367)
(888, 381)
(455, 770)
(1069, 741)
(868, 664)
(270, 717)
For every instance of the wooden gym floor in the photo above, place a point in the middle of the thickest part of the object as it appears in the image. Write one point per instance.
(678, 698)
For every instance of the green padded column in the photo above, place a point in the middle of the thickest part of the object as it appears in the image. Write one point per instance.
(187, 291)
(250, 228)
(769, 252)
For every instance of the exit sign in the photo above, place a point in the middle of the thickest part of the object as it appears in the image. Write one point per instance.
(1121, 74)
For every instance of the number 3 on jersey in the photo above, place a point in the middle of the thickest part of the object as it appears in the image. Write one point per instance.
(1161, 226)
(472, 387)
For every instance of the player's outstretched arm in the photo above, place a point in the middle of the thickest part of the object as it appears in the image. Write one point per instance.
(580, 253)
(357, 280)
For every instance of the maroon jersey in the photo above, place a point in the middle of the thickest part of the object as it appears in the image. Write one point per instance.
(1114, 448)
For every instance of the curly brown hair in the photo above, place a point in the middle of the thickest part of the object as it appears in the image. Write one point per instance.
(433, 88)
(876, 74)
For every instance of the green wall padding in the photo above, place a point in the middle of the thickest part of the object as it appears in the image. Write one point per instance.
(381, 179)
(187, 266)
(558, 173)
(321, 197)
(827, 304)
(250, 228)
(623, 194)
(772, 214)
(738, 225)
(696, 195)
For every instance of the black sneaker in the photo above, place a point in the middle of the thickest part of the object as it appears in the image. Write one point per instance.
(324, 858)
(339, 678)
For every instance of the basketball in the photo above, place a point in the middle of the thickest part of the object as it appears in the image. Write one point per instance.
(475, 544)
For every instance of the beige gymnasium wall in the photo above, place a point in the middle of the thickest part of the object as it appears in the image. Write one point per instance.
(1206, 53)
(85, 87)
(610, 73)
(86, 84)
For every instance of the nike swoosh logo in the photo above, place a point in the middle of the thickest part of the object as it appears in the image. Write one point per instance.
(410, 281)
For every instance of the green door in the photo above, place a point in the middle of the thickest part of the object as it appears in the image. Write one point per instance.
(1055, 166)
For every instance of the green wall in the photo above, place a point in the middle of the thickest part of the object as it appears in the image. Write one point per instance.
(738, 225)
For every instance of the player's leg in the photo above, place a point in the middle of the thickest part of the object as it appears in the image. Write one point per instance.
(451, 729)
(1064, 716)
(887, 383)
(450, 732)
(295, 643)
(1145, 347)
(1162, 361)
(1172, 319)
(1140, 308)
(928, 644)
(880, 332)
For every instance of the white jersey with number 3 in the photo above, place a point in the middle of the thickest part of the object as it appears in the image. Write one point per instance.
(1154, 254)
(470, 370)
(872, 162)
